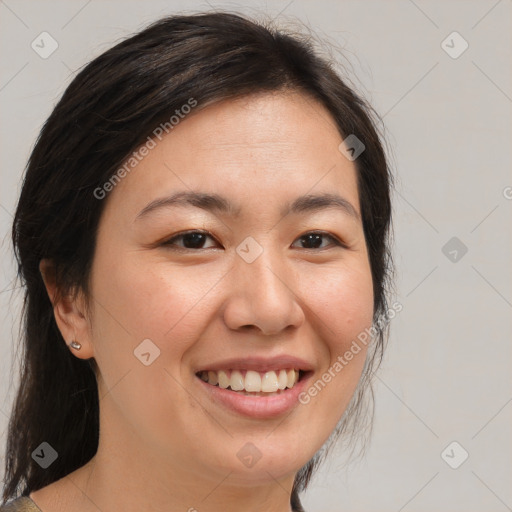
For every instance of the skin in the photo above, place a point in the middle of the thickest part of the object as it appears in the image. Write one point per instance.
(163, 445)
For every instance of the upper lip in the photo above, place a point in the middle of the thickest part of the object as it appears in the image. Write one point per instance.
(259, 364)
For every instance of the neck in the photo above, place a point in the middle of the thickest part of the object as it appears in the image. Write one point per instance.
(110, 485)
(128, 474)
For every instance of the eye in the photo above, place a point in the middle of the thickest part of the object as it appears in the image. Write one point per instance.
(196, 240)
(313, 240)
(190, 240)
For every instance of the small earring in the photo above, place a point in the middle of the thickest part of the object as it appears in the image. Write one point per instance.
(75, 345)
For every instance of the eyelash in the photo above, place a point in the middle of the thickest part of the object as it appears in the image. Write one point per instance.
(170, 241)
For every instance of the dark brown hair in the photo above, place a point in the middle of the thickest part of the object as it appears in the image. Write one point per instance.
(109, 109)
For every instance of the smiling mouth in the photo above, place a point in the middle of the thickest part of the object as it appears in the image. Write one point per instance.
(252, 383)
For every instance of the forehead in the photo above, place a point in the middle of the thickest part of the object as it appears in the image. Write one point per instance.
(257, 147)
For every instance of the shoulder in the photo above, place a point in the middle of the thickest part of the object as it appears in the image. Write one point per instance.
(22, 504)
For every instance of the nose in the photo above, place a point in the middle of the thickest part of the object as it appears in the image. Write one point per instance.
(263, 296)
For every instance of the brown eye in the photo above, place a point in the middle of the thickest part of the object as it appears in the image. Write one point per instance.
(189, 240)
(315, 239)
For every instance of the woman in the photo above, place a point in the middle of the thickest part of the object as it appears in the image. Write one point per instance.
(203, 233)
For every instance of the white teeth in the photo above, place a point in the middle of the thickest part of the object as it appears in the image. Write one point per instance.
(237, 381)
(223, 379)
(252, 381)
(212, 378)
(271, 382)
(291, 378)
(282, 380)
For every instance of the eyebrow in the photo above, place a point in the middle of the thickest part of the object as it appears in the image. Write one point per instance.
(217, 204)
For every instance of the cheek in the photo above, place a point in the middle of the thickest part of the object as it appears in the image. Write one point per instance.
(135, 303)
(342, 300)
(172, 306)
(343, 309)
(142, 300)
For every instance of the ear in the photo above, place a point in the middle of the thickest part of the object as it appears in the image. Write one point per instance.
(69, 311)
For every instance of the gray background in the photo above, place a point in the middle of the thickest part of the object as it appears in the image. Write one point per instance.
(446, 375)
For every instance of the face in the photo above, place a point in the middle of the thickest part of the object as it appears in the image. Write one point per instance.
(250, 279)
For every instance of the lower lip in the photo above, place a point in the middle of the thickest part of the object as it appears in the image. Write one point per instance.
(256, 406)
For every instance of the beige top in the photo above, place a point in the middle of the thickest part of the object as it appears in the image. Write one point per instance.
(22, 504)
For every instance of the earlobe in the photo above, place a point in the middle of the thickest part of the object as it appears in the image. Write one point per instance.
(69, 314)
